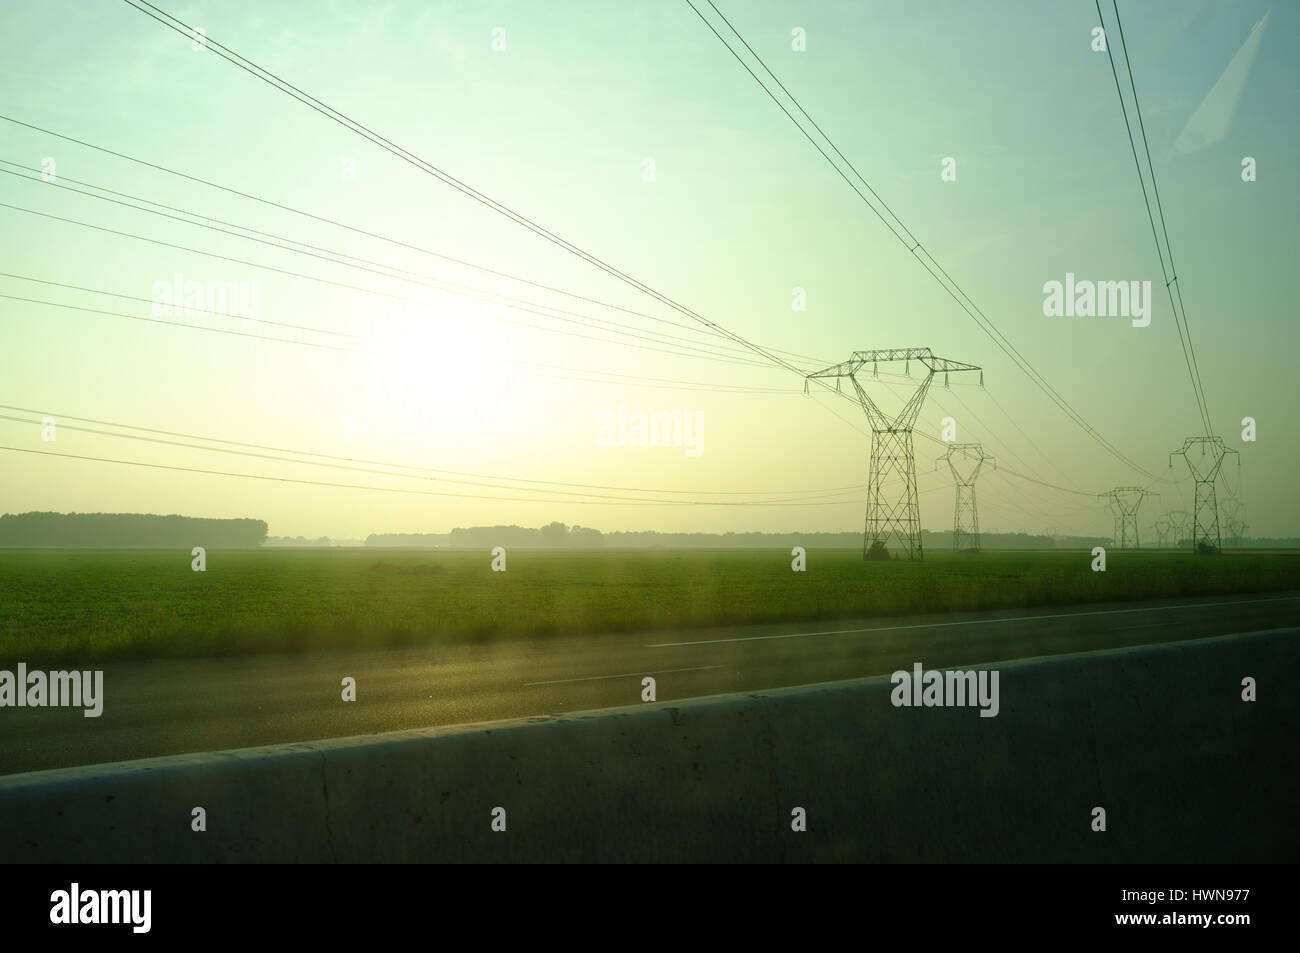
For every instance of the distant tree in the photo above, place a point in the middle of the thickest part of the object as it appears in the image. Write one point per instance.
(585, 536)
(119, 530)
(555, 534)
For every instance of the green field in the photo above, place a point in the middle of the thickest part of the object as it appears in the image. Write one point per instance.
(96, 605)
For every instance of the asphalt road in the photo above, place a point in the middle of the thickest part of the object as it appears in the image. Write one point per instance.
(173, 707)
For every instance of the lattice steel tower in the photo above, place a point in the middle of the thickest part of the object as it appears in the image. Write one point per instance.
(965, 460)
(1124, 503)
(893, 514)
(1178, 520)
(1205, 471)
(1232, 508)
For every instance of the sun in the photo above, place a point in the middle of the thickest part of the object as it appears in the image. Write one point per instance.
(438, 368)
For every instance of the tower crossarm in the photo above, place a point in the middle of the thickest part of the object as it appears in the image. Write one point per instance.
(922, 355)
(972, 454)
(1205, 466)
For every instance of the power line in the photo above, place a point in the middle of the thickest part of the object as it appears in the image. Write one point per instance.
(150, 301)
(680, 351)
(654, 382)
(359, 231)
(338, 117)
(634, 380)
(389, 271)
(381, 463)
(1050, 459)
(387, 489)
(935, 440)
(476, 294)
(184, 29)
(983, 321)
(181, 324)
(1180, 322)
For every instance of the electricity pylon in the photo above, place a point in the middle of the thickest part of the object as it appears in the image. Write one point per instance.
(1231, 507)
(1205, 470)
(897, 516)
(1162, 527)
(1234, 521)
(1178, 520)
(1124, 503)
(965, 460)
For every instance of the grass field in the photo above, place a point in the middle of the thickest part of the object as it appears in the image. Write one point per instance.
(96, 605)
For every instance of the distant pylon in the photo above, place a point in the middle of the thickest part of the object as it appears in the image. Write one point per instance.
(1178, 522)
(1162, 527)
(1205, 470)
(1231, 507)
(1124, 503)
(897, 517)
(1233, 512)
(1236, 526)
(965, 460)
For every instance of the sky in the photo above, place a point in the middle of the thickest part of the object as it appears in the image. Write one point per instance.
(433, 394)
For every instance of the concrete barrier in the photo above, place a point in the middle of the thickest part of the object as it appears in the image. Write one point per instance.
(1157, 735)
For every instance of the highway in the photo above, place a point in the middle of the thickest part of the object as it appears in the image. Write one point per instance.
(178, 706)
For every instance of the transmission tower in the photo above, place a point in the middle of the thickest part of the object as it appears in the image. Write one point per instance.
(965, 460)
(1162, 528)
(1124, 503)
(1178, 520)
(896, 516)
(1231, 507)
(1205, 471)
(1234, 521)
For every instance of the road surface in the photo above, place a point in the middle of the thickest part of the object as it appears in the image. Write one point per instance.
(173, 707)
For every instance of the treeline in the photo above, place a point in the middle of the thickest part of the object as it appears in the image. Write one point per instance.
(319, 542)
(851, 540)
(558, 535)
(551, 536)
(1261, 542)
(943, 540)
(412, 540)
(119, 530)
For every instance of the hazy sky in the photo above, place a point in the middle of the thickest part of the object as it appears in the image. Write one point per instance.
(740, 212)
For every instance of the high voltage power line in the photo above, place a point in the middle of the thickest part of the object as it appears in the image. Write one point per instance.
(184, 29)
(630, 378)
(344, 462)
(389, 271)
(681, 349)
(180, 324)
(767, 353)
(127, 297)
(388, 489)
(911, 243)
(246, 334)
(1171, 280)
(360, 231)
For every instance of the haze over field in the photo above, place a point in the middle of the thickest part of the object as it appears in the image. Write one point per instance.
(741, 221)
